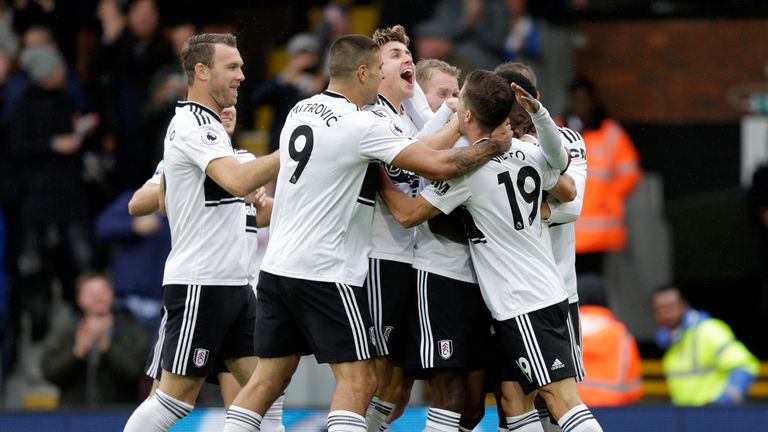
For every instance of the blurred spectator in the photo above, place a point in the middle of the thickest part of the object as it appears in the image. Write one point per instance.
(476, 28)
(131, 52)
(704, 363)
(142, 243)
(9, 43)
(434, 41)
(523, 42)
(301, 78)
(39, 35)
(44, 152)
(614, 171)
(97, 357)
(334, 23)
(611, 357)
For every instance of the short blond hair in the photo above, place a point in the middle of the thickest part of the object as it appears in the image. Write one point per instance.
(391, 34)
(425, 68)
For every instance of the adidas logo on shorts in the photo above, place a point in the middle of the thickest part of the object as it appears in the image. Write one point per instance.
(557, 365)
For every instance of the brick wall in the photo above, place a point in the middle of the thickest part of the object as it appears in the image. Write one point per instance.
(673, 71)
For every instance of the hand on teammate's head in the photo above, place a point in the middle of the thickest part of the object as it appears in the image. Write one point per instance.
(525, 99)
(502, 136)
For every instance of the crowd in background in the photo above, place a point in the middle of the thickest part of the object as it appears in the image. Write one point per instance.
(86, 91)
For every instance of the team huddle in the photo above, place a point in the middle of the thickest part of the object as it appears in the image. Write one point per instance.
(417, 231)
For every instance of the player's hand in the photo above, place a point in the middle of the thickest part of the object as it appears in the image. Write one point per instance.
(546, 211)
(502, 137)
(452, 103)
(259, 197)
(525, 99)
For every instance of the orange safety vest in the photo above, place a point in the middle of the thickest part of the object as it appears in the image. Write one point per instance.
(613, 171)
(611, 360)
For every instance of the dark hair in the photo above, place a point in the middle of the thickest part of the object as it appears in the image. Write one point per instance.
(489, 97)
(200, 49)
(520, 68)
(348, 52)
(599, 112)
(519, 79)
(87, 275)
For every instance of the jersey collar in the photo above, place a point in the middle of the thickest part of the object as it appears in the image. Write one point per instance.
(336, 95)
(386, 102)
(213, 114)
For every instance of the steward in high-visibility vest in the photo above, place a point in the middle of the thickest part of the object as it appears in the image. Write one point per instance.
(611, 360)
(613, 171)
(704, 363)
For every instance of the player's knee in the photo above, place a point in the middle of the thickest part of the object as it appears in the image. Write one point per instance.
(562, 393)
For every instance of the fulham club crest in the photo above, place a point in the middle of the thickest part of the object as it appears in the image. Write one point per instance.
(445, 348)
(201, 357)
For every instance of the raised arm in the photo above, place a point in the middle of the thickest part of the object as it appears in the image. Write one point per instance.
(421, 157)
(546, 130)
(565, 212)
(407, 211)
(240, 179)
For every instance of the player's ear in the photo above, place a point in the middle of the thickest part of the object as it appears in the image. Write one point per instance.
(361, 72)
(201, 72)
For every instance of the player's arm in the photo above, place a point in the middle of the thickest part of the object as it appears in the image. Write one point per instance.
(407, 211)
(239, 179)
(421, 157)
(565, 212)
(438, 121)
(144, 200)
(161, 195)
(546, 130)
(565, 189)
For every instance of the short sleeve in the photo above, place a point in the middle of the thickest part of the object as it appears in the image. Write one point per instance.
(549, 177)
(449, 194)
(384, 140)
(155, 179)
(204, 144)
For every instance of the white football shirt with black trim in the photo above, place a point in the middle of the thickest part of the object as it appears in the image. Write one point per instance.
(389, 240)
(155, 179)
(323, 209)
(436, 254)
(251, 229)
(207, 241)
(563, 235)
(510, 252)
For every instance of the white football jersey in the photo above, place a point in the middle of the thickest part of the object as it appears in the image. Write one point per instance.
(251, 229)
(207, 241)
(562, 230)
(155, 179)
(436, 254)
(323, 208)
(389, 240)
(511, 254)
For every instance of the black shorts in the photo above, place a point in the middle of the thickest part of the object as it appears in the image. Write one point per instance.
(297, 316)
(538, 346)
(574, 327)
(389, 286)
(153, 370)
(203, 324)
(448, 327)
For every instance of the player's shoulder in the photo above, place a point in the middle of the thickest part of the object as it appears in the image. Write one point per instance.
(570, 138)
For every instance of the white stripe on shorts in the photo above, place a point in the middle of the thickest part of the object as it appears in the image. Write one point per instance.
(532, 348)
(376, 306)
(427, 345)
(355, 321)
(157, 352)
(575, 351)
(184, 345)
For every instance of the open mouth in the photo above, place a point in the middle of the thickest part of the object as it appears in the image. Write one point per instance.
(407, 75)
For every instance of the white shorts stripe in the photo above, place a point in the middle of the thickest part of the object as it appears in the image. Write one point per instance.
(575, 354)
(184, 343)
(427, 340)
(355, 321)
(526, 341)
(376, 306)
(157, 354)
(537, 350)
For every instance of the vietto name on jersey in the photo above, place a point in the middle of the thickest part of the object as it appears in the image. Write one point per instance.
(512, 259)
(323, 209)
(207, 241)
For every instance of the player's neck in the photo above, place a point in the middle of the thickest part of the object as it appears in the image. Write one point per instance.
(393, 97)
(349, 92)
(474, 133)
(202, 97)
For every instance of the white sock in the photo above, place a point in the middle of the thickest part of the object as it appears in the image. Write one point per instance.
(548, 423)
(528, 422)
(157, 414)
(442, 420)
(377, 413)
(579, 419)
(273, 418)
(240, 419)
(346, 421)
(501, 429)
(463, 429)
